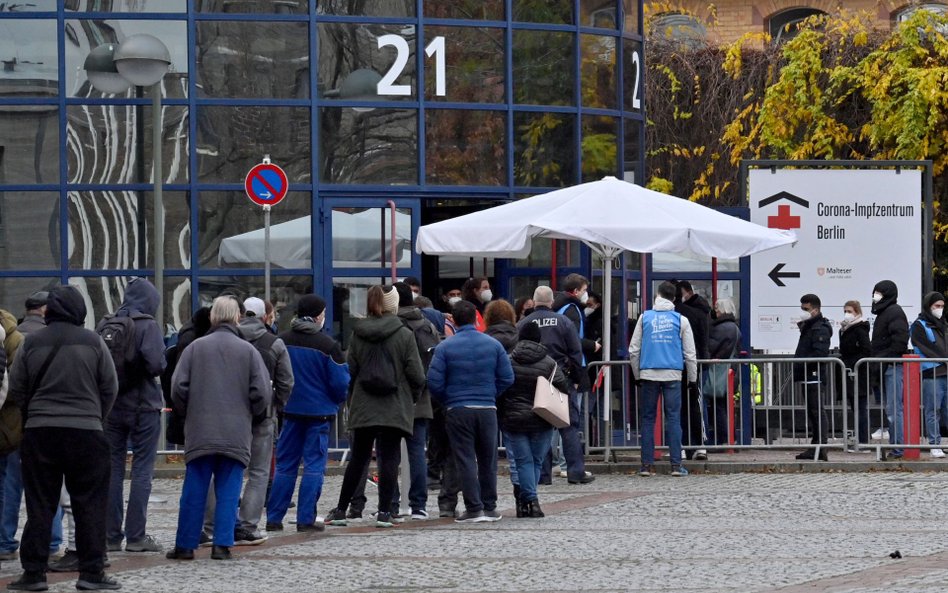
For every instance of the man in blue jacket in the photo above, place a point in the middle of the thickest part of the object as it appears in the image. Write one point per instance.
(467, 374)
(321, 384)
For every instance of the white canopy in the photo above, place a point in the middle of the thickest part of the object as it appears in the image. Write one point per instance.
(608, 215)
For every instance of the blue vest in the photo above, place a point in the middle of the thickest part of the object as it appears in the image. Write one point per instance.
(582, 323)
(931, 338)
(661, 341)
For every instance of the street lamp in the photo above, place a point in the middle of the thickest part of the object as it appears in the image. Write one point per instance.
(140, 60)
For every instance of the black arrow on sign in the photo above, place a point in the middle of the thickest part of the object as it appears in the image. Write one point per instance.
(776, 274)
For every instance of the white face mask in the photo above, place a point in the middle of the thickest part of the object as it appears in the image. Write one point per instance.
(876, 297)
(848, 317)
(319, 321)
(938, 312)
(589, 311)
(805, 315)
(584, 298)
(486, 296)
(454, 300)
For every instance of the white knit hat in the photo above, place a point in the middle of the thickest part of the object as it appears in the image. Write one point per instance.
(389, 300)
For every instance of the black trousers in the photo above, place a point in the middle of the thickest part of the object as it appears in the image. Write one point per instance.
(692, 421)
(473, 433)
(439, 451)
(815, 414)
(388, 452)
(81, 458)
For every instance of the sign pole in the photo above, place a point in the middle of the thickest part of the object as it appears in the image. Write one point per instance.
(266, 185)
(266, 252)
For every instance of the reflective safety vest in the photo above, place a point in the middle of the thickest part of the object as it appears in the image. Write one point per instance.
(926, 366)
(661, 341)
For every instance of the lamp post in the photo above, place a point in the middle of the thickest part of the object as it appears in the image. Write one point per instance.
(141, 60)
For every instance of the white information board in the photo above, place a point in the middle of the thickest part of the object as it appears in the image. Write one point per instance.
(855, 228)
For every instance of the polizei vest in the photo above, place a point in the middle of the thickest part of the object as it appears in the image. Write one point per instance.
(661, 341)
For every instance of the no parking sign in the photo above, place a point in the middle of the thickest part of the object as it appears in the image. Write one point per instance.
(266, 184)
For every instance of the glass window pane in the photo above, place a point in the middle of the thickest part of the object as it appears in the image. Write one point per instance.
(600, 146)
(30, 63)
(253, 59)
(82, 36)
(253, 6)
(29, 231)
(598, 13)
(633, 68)
(361, 237)
(103, 295)
(541, 253)
(523, 286)
(543, 68)
(349, 303)
(598, 55)
(465, 147)
(544, 149)
(369, 145)
(632, 160)
(285, 291)
(352, 65)
(231, 231)
(729, 289)
(29, 144)
(474, 65)
(105, 232)
(490, 10)
(231, 139)
(32, 6)
(106, 146)
(366, 7)
(691, 262)
(558, 12)
(631, 15)
(15, 291)
(126, 6)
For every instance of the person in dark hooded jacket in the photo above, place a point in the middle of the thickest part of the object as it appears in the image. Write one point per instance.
(698, 312)
(64, 381)
(815, 335)
(528, 437)
(930, 339)
(136, 419)
(380, 416)
(853, 347)
(890, 334)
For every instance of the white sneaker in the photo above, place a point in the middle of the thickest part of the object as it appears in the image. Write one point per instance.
(561, 473)
(881, 434)
(701, 455)
(937, 453)
(419, 515)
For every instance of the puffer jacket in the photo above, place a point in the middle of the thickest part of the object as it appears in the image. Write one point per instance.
(469, 369)
(505, 333)
(890, 329)
(14, 338)
(515, 406)
(396, 411)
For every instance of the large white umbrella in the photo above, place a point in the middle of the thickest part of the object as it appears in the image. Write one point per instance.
(610, 216)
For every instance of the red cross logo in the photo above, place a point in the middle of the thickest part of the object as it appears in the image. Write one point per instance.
(783, 220)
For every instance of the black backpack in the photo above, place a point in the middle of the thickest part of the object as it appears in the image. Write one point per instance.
(118, 332)
(264, 345)
(427, 338)
(377, 374)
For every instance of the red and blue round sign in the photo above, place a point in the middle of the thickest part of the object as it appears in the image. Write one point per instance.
(266, 184)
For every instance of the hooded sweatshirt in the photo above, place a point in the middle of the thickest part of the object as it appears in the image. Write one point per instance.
(78, 387)
(393, 411)
(890, 330)
(141, 304)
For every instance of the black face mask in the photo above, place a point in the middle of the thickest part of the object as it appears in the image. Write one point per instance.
(527, 311)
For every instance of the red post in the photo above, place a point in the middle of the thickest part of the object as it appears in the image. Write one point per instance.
(911, 406)
(730, 408)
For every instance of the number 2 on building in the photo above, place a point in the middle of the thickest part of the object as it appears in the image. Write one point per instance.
(387, 86)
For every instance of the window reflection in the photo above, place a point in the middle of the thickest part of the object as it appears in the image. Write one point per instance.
(29, 144)
(543, 11)
(369, 145)
(600, 146)
(29, 66)
(598, 84)
(465, 147)
(541, 253)
(474, 64)
(345, 48)
(598, 13)
(253, 59)
(362, 238)
(15, 291)
(285, 291)
(29, 231)
(253, 6)
(366, 7)
(232, 138)
(103, 295)
(491, 10)
(543, 68)
(630, 12)
(544, 149)
(33, 6)
(125, 5)
(349, 303)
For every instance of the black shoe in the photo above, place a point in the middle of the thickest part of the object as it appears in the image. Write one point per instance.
(221, 553)
(97, 582)
(30, 581)
(68, 563)
(822, 456)
(274, 526)
(205, 541)
(534, 511)
(354, 514)
(180, 554)
(447, 512)
(336, 517)
(312, 527)
(806, 455)
(247, 537)
(519, 503)
(585, 479)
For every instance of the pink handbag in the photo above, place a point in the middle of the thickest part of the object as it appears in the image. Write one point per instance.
(550, 403)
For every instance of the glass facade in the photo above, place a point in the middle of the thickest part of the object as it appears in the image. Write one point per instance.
(433, 107)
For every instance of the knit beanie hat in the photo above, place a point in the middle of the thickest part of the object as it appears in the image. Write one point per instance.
(390, 300)
(310, 305)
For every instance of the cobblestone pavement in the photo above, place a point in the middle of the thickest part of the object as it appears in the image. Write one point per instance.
(740, 532)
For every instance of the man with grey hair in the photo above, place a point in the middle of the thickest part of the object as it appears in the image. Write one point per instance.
(216, 444)
(559, 336)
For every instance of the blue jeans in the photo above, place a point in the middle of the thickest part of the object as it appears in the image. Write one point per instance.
(892, 387)
(228, 475)
(935, 400)
(306, 440)
(528, 450)
(139, 429)
(648, 409)
(11, 494)
(417, 466)
(572, 445)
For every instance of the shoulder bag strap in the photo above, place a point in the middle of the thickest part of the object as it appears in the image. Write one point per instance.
(39, 377)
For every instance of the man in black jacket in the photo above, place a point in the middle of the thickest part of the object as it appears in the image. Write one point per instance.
(815, 335)
(64, 381)
(696, 309)
(890, 334)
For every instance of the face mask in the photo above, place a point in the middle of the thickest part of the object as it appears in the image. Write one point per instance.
(876, 297)
(938, 313)
(848, 317)
(583, 299)
(319, 321)
(486, 296)
(805, 315)
(454, 300)
(589, 311)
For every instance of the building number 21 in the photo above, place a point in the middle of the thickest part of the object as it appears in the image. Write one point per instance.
(387, 85)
